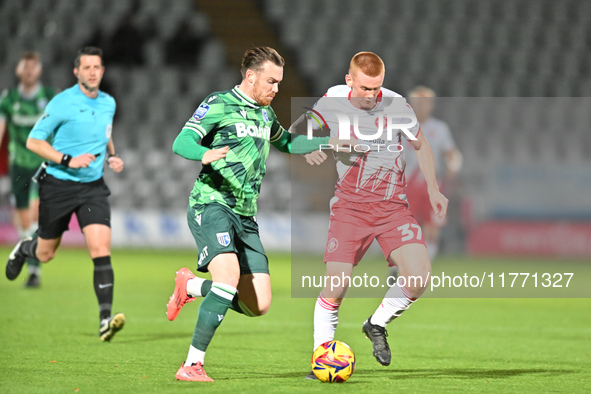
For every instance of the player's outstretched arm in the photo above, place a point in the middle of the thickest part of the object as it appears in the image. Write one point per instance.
(301, 144)
(318, 157)
(286, 142)
(427, 165)
(315, 158)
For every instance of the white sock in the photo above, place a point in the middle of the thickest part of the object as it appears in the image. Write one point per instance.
(34, 270)
(22, 233)
(194, 286)
(326, 318)
(396, 301)
(195, 356)
(32, 229)
(432, 249)
(29, 232)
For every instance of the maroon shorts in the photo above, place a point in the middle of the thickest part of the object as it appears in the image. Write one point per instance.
(354, 226)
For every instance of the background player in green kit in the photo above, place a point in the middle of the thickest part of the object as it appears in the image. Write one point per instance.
(20, 108)
(235, 129)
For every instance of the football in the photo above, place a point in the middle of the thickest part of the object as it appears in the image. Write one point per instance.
(333, 361)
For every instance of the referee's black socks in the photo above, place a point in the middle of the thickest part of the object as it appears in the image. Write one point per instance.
(103, 285)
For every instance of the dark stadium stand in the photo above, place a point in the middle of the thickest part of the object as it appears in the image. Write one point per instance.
(460, 48)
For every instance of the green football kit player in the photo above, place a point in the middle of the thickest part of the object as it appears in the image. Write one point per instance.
(20, 108)
(230, 133)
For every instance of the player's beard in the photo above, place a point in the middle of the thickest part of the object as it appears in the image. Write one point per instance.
(264, 102)
(261, 96)
(262, 99)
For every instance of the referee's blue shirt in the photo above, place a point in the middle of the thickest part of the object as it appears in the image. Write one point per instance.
(77, 124)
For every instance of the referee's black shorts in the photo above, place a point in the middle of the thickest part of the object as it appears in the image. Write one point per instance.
(59, 199)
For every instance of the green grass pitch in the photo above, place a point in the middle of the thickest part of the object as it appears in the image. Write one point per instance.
(49, 338)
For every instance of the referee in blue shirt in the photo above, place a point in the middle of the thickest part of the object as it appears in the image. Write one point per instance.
(79, 122)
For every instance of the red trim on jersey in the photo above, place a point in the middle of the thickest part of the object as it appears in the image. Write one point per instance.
(380, 185)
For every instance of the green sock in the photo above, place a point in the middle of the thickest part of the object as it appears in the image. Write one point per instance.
(237, 305)
(33, 263)
(34, 266)
(212, 310)
(240, 307)
(206, 287)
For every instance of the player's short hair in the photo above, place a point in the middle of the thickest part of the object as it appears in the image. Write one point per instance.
(255, 57)
(421, 91)
(88, 51)
(368, 63)
(30, 55)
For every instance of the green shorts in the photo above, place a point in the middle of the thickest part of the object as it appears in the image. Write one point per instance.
(23, 188)
(217, 229)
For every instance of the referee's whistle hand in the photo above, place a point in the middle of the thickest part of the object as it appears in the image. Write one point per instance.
(82, 161)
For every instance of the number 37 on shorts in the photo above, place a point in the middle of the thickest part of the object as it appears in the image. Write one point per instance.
(410, 231)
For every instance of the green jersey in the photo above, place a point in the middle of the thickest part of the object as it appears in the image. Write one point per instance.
(232, 119)
(20, 115)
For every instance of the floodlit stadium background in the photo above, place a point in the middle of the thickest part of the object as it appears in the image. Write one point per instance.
(524, 189)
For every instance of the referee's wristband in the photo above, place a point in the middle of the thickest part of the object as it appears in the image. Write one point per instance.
(66, 160)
